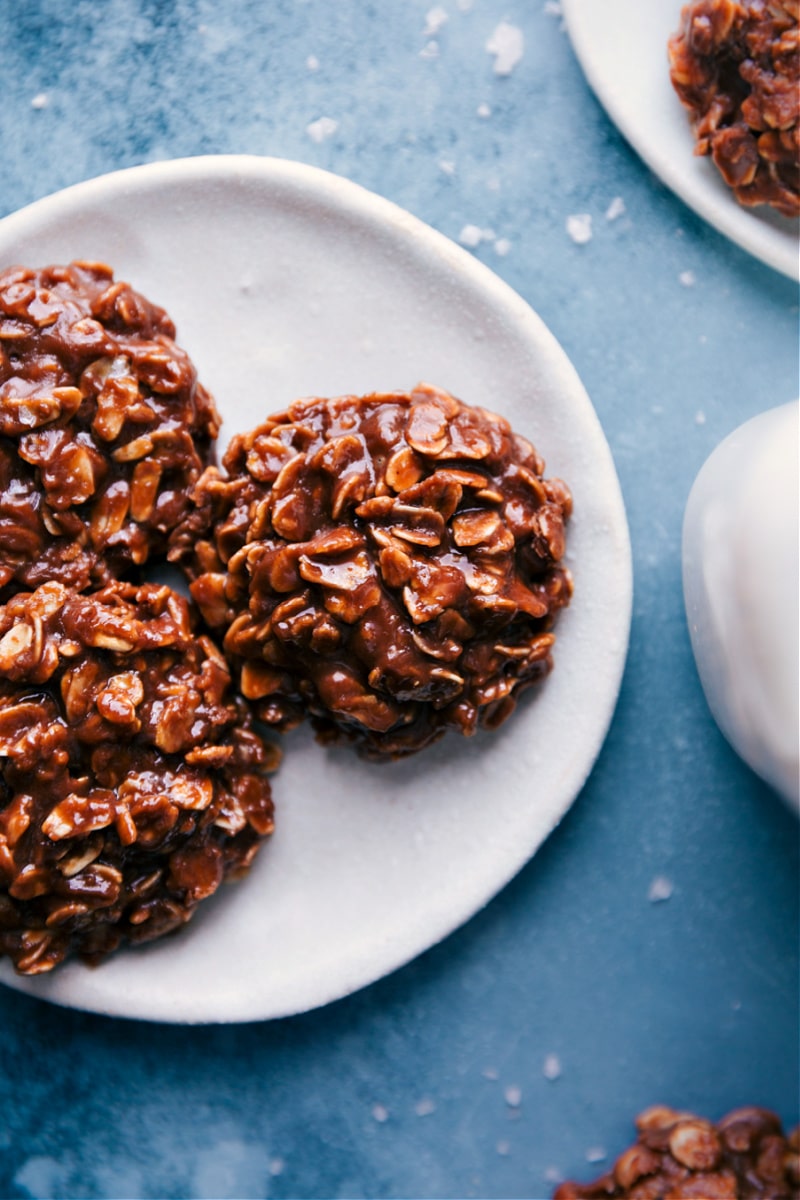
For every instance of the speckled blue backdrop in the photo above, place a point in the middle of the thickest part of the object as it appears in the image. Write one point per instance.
(404, 1089)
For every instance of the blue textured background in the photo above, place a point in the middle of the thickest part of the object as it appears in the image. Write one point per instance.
(694, 1001)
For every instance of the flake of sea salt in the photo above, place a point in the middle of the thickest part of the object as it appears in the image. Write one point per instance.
(424, 1107)
(687, 278)
(595, 1154)
(483, 111)
(40, 100)
(471, 236)
(660, 889)
(700, 417)
(615, 209)
(312, 63)
(513, 1095)
(553, 1175)
(579, 228)
(276, 1166)
(435, 19)
(321, 129)
(430, 49)
(507, 45)
(502, 247)
(447, 166)
(551, 1067)
(490, 1073)
(504, 1147)
(380, 1113)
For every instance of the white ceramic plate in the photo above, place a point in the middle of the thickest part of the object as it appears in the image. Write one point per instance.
(622, 47)
(285, 281)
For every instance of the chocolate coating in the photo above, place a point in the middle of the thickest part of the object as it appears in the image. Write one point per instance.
(103, 427)
(388, 565)
(131, 780)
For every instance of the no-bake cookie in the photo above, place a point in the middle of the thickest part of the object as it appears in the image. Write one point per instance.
(132, 781)
(389, 565)
(104, 427)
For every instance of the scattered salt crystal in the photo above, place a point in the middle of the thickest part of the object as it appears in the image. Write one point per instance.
(380, 1114)
(553, 8)
(424, 1107)
(434, 20)
(551, 1067)
(490, 1073)
(471, 236)
(579, 228)
(502, 247)
(513, 1095)
(321, 129)
(507, 44)
(40, 100)
(430, 50)
(483, 111)
(553, 1175)
(660, 889)
(312, 63)
(688, 278)
(447, 166)
(595, 1154)
(504, 1147)
(276, 1166)
(700, 417)
(615, 209)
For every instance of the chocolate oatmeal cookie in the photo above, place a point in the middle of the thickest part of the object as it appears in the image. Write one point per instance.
(389, 565)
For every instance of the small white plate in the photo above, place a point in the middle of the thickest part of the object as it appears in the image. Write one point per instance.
(622, 47)
(285, 281)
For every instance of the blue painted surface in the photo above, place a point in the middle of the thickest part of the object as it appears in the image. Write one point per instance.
(693, 1001)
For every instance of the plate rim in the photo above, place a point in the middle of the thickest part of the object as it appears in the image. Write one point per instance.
(349, 197)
